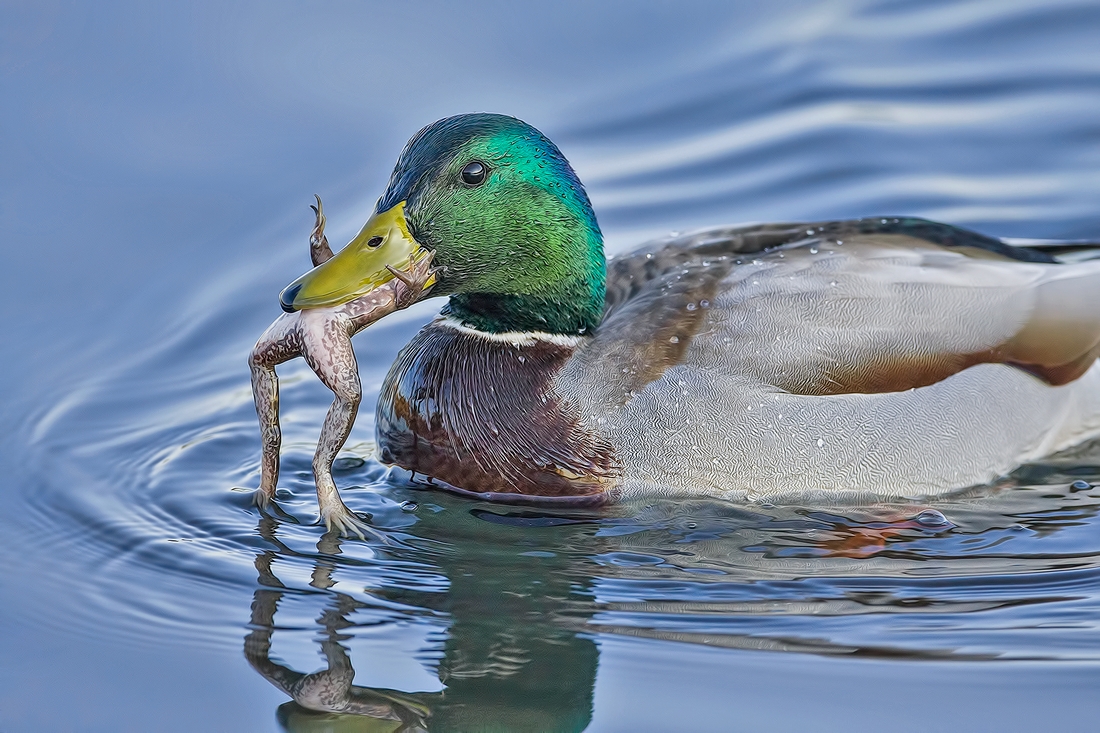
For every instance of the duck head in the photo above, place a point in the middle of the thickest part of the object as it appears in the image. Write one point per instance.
(516, 242)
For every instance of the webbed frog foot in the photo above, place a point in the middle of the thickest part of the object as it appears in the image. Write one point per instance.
(319, 250)
(418, 278)
(338, 518)
(263, 498)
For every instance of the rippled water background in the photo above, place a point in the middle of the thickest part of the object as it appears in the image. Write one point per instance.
(155, 168)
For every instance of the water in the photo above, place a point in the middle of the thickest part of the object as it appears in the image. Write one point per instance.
(157, 168)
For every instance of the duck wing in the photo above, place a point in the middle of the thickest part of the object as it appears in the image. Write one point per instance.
(865, 306)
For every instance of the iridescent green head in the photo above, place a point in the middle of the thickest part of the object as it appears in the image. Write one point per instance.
(515, 236)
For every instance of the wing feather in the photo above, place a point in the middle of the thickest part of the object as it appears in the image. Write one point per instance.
(875, 312)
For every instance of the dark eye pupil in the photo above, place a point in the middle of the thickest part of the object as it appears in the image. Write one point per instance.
(473, 173)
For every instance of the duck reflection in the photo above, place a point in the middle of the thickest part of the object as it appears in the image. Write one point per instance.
(513, 659)
(518, 592)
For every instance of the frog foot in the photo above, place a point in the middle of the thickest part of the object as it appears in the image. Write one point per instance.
(420, 276)
(319, 227)
(346, 523)
(319, 251)
(263, 498)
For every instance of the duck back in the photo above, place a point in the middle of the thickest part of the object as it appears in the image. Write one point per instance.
(838, 361)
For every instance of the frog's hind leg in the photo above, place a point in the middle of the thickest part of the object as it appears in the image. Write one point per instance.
(327, 349)
(278, 343)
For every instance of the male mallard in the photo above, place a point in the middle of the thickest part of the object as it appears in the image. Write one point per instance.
(825, 361)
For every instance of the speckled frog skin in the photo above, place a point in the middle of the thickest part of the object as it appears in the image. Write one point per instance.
(830, 361)
(322, 336)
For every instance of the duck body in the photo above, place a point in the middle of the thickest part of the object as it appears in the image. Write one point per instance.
(836, 361)
(831, 361)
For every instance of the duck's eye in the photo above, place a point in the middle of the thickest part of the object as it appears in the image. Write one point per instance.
(474, 172)
(374, 242)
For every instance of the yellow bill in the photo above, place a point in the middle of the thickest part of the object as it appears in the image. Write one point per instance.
(360, 267)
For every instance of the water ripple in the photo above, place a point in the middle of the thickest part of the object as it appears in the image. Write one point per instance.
(135, 471)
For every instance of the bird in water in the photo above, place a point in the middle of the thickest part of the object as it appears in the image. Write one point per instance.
(840, 361)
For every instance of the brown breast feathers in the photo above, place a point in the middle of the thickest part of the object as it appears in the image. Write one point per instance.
(481, 415)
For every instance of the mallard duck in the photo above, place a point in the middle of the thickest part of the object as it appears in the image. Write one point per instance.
(826, 361)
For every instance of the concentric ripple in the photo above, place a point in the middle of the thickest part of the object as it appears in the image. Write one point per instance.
(156, 511)
(132, 521)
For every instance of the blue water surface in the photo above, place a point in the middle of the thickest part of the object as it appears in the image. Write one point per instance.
(156, 163)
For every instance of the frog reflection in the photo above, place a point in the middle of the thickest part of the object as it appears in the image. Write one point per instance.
(330, 690)
(520, 651)
(513, 659)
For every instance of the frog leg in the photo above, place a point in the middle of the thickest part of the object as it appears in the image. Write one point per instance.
(326, 346)
(279, 343)
(406, 288)
(414, 281)
(319, 251)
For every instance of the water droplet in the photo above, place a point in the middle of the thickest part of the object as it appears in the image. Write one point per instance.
(813, 250)
(704, 303)
(809, 231)
(522, 358)
(347, 463)
(932, 518)
(649, 255)
(691, 525)
(1080, 485)
(408, 506)
(691, 306)
(674, 339)
(820, 442)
